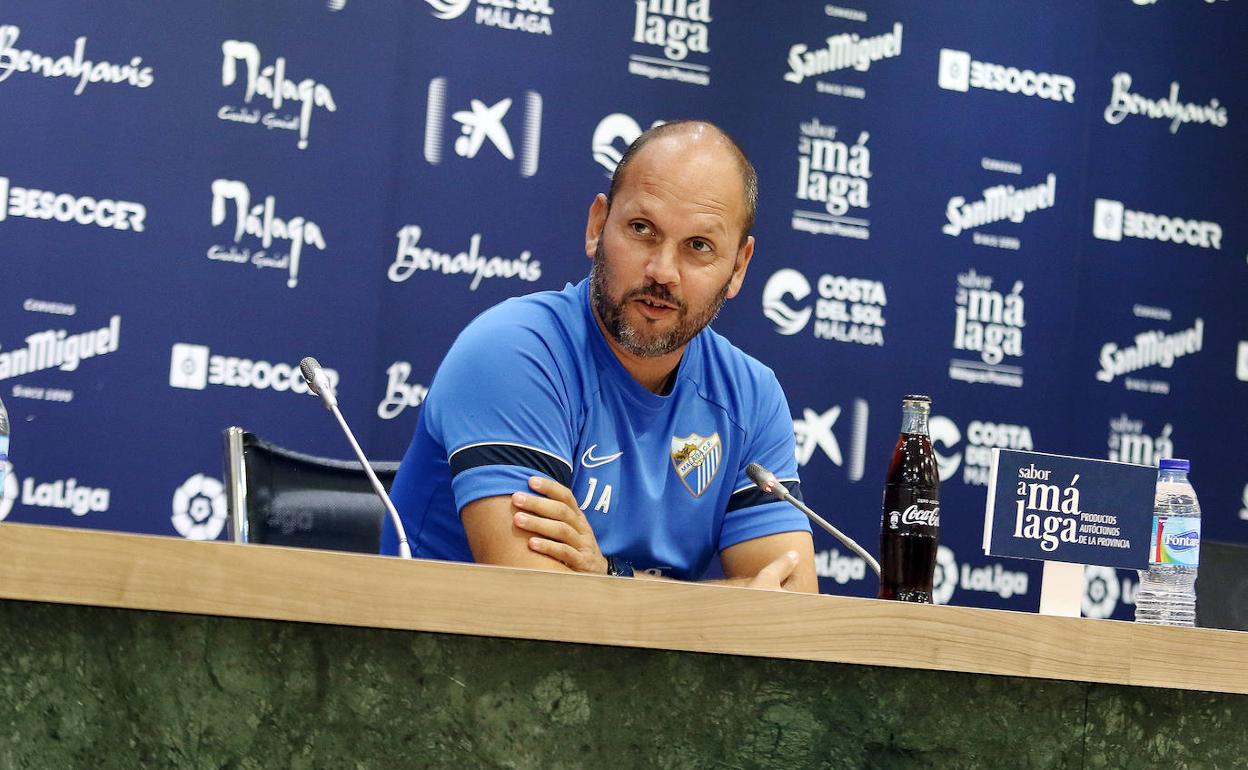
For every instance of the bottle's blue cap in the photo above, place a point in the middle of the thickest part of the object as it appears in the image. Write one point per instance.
(1170, 464)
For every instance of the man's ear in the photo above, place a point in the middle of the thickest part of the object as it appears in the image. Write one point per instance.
(743, 261)
(595, 223)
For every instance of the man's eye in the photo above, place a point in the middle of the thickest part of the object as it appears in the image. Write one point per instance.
(700, 245)
(641, 228)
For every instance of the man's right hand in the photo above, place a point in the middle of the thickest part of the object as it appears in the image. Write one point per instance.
(774, 576)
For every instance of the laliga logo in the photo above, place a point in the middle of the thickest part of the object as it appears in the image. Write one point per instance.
(945, 433)
(199, 511)
(1100, 592)
(10, 490)
(946, 578)
(449, 9)
(787, 320)
(616, 127)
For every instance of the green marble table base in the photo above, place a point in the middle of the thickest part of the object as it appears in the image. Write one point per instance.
(86, 687)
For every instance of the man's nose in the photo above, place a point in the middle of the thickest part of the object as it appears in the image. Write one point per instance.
(661, 266)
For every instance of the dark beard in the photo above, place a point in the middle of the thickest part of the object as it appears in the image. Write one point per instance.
(628, 336)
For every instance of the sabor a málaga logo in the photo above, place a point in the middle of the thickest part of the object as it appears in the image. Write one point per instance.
(668, 32)
(834, 172)
(1130, 443)
(990, 323)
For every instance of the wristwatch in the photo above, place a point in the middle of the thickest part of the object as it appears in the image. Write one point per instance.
(618, 567)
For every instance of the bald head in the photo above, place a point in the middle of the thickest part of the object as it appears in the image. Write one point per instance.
(695, 136)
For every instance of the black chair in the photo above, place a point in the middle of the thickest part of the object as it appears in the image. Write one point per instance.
(1222, 586)
(279, 497)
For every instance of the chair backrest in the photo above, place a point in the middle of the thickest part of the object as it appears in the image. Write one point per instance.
(1222, 586)
(279, 497)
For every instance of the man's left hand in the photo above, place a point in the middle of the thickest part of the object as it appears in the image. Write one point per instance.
(559, 527)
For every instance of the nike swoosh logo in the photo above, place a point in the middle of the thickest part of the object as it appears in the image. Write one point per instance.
(589, 461)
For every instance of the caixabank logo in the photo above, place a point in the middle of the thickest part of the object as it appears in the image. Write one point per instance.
(257, 229)
(988, 322)
(531, 16)
(817, 431)
(1147, 351)
(195, 367)
(671, 41)
(959, 71)
(1123, 103)
(840, 54)
(846, 309)
(272, 97)
(833, 181)
(484, 125)
(75, 66)
(1113, 221)
(67, 208)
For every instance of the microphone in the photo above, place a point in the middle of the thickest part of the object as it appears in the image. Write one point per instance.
(318, 383)
(767, 481)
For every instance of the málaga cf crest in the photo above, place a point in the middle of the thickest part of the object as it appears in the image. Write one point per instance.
(696, 460)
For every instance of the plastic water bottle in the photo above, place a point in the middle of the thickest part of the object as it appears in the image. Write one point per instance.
(1167, 594)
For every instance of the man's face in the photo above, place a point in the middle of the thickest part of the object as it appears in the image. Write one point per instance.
(670, 251)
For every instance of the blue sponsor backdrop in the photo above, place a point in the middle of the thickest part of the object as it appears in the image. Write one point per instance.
(1030, 211)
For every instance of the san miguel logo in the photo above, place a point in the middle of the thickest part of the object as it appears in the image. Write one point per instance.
(696, 460)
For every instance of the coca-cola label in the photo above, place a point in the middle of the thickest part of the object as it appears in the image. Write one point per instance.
(914, 514)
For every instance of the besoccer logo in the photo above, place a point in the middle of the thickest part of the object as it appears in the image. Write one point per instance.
(1107, 220)
(10, 489)
(791, 283)
(199, 510)
(946, 577)
(188, 366)
(955, 70)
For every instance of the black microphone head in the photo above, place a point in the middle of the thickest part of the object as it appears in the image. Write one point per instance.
(309, 367)
(765, 479)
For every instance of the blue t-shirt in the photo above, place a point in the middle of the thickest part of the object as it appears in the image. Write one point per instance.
(531, 386)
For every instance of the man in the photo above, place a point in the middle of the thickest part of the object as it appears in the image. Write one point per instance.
(605, 427)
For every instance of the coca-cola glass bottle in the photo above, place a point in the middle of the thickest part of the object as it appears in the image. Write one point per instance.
(910, 525)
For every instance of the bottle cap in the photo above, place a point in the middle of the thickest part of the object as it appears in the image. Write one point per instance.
(919, 398)
(1170, 464)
